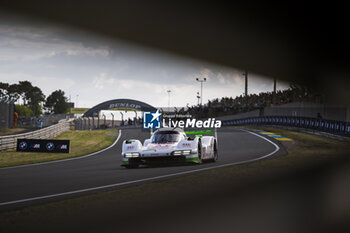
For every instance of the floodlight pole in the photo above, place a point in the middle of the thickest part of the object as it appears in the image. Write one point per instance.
(168, 100)
(246, 83)
(77, 101)
(201, 81)
(274, 90)
(245, 73)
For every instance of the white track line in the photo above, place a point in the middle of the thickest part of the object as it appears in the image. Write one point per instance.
(147, 179)
(64, 160)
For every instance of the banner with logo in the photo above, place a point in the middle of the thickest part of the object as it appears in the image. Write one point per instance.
(41, 145)
(152, 120)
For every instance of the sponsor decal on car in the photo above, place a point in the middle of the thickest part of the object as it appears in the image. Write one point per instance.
(149, 150)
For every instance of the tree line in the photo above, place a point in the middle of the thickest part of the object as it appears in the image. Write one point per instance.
(34, 100)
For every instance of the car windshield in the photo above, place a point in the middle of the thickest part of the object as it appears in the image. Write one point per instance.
(166, 136)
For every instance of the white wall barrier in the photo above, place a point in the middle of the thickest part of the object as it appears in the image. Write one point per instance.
(9, 142)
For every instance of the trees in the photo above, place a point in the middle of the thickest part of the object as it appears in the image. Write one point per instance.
(9, 93)
(57, 102)
(14, 92)
(23, 110)
(24, 90)
(3, 91)
(32, 96)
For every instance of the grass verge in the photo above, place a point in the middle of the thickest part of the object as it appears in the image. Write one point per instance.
(100, 209)
(11, 131)
(306, 147)
(82, 142)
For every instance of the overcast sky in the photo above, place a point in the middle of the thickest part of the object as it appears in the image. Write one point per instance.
(92, 69)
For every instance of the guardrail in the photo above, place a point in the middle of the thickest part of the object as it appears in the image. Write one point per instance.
(329, 126)
(9, 142)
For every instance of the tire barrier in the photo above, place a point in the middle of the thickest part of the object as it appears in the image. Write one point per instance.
(329, 126)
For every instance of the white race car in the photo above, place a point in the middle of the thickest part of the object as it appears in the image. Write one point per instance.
(170, 145)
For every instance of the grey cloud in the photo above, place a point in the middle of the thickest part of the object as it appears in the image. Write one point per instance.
(109, 68)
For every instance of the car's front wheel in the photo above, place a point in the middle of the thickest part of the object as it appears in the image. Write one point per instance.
(130, 166)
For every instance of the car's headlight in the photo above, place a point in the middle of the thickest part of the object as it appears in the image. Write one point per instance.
(182, 152)
(186, 152)
(132, 155)
(177, 152)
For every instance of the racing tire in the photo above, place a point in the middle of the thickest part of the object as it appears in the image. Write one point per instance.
(216, 154)
(200, 152)
(131, 166)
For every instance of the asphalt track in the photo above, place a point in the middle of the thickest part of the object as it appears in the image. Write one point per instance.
(26, 185)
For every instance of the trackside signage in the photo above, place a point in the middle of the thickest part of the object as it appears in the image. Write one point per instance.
(193, 123)
(44, 146)
(152, 120)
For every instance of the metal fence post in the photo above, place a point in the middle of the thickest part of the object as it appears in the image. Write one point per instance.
(98, 121)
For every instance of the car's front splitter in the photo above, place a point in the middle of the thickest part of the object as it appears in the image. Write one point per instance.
(161, 159)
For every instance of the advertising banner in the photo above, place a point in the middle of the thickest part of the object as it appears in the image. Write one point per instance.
(45, 146)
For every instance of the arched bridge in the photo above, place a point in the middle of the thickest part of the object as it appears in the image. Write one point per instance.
(119, 104)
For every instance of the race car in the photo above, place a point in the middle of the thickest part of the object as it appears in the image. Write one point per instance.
(168, 145)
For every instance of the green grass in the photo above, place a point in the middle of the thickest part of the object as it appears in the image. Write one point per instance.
(78, 110)
(304, 151)
(307, 146)
(11, 131)
(82, 142)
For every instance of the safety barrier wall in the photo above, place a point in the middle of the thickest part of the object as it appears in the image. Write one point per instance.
(329, 126)
(10, 142)
(91, 123)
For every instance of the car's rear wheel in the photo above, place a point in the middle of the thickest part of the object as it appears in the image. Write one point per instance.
(216, 154)
(199, 152)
